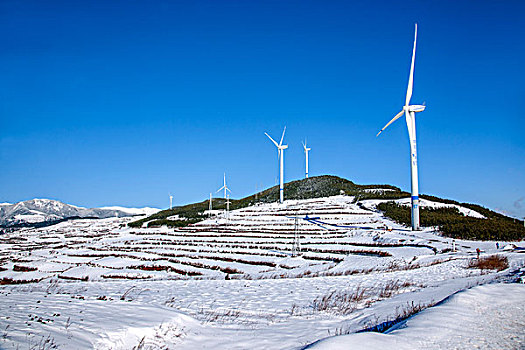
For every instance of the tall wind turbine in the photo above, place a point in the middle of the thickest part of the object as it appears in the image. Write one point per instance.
(410, 118)
(171, 201)
(280, 152)
(224, 187)
(306, 153)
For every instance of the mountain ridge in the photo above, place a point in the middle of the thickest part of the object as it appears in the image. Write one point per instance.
(39, 211)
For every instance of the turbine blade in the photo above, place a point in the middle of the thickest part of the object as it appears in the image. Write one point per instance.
(227, 189)
(276, 144)
(282, 137)
(411, 76)
(220, 189)
(390, 122)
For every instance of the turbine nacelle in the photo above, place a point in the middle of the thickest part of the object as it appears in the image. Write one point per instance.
(306, 149)
(415, 108)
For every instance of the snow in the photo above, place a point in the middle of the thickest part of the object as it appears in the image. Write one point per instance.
(487, 317)
(372, 190)
(134, 211)
(234, 285)
(425, 203)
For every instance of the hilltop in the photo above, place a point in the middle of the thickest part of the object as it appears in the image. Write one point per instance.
(448, 217)
(313, 187)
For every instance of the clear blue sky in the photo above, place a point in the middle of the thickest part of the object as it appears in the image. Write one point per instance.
(121, 102)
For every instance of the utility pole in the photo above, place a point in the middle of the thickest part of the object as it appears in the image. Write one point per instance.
(296, 248)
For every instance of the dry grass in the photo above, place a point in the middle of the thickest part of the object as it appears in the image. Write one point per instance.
(492, 262)
(346, 302)
(220, 316)
(392, 287)
(402, 313)
(343, 302)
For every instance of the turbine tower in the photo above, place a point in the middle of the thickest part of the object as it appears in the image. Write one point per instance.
(306, 153)
(171, 201)
(224, 187)
(410, 118)
(228, 207)
(280, 152)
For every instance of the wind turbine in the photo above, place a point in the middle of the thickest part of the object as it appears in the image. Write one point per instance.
(224, 187)
(410, 118)
(306, 153)
(280, 152)
(171, 201)
(211, 205)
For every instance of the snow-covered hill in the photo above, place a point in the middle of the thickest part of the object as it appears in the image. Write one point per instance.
(266, 276)
(37, 211)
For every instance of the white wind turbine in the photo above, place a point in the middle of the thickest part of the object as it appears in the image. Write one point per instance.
(171, 201)
(410, 118)
(224, 187)
(306, 149)
(280, 152)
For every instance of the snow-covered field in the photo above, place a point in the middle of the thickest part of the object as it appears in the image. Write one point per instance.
(255, 279)
(484, 317)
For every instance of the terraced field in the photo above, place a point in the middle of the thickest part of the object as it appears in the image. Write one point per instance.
(266, 276)
(265, 241)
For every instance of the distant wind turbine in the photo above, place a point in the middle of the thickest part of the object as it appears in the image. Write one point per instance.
(280, 151)
(171, 201)
(224, 187)
(410, 118)
(306, 154)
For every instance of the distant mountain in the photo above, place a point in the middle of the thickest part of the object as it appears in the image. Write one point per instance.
(134, 211)
(38, 212)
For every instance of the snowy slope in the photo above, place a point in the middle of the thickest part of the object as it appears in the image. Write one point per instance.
(486, 317)
(230, 282)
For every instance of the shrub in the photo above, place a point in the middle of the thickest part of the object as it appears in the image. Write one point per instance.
(455, 225)
(21, 268)
(493, 262)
